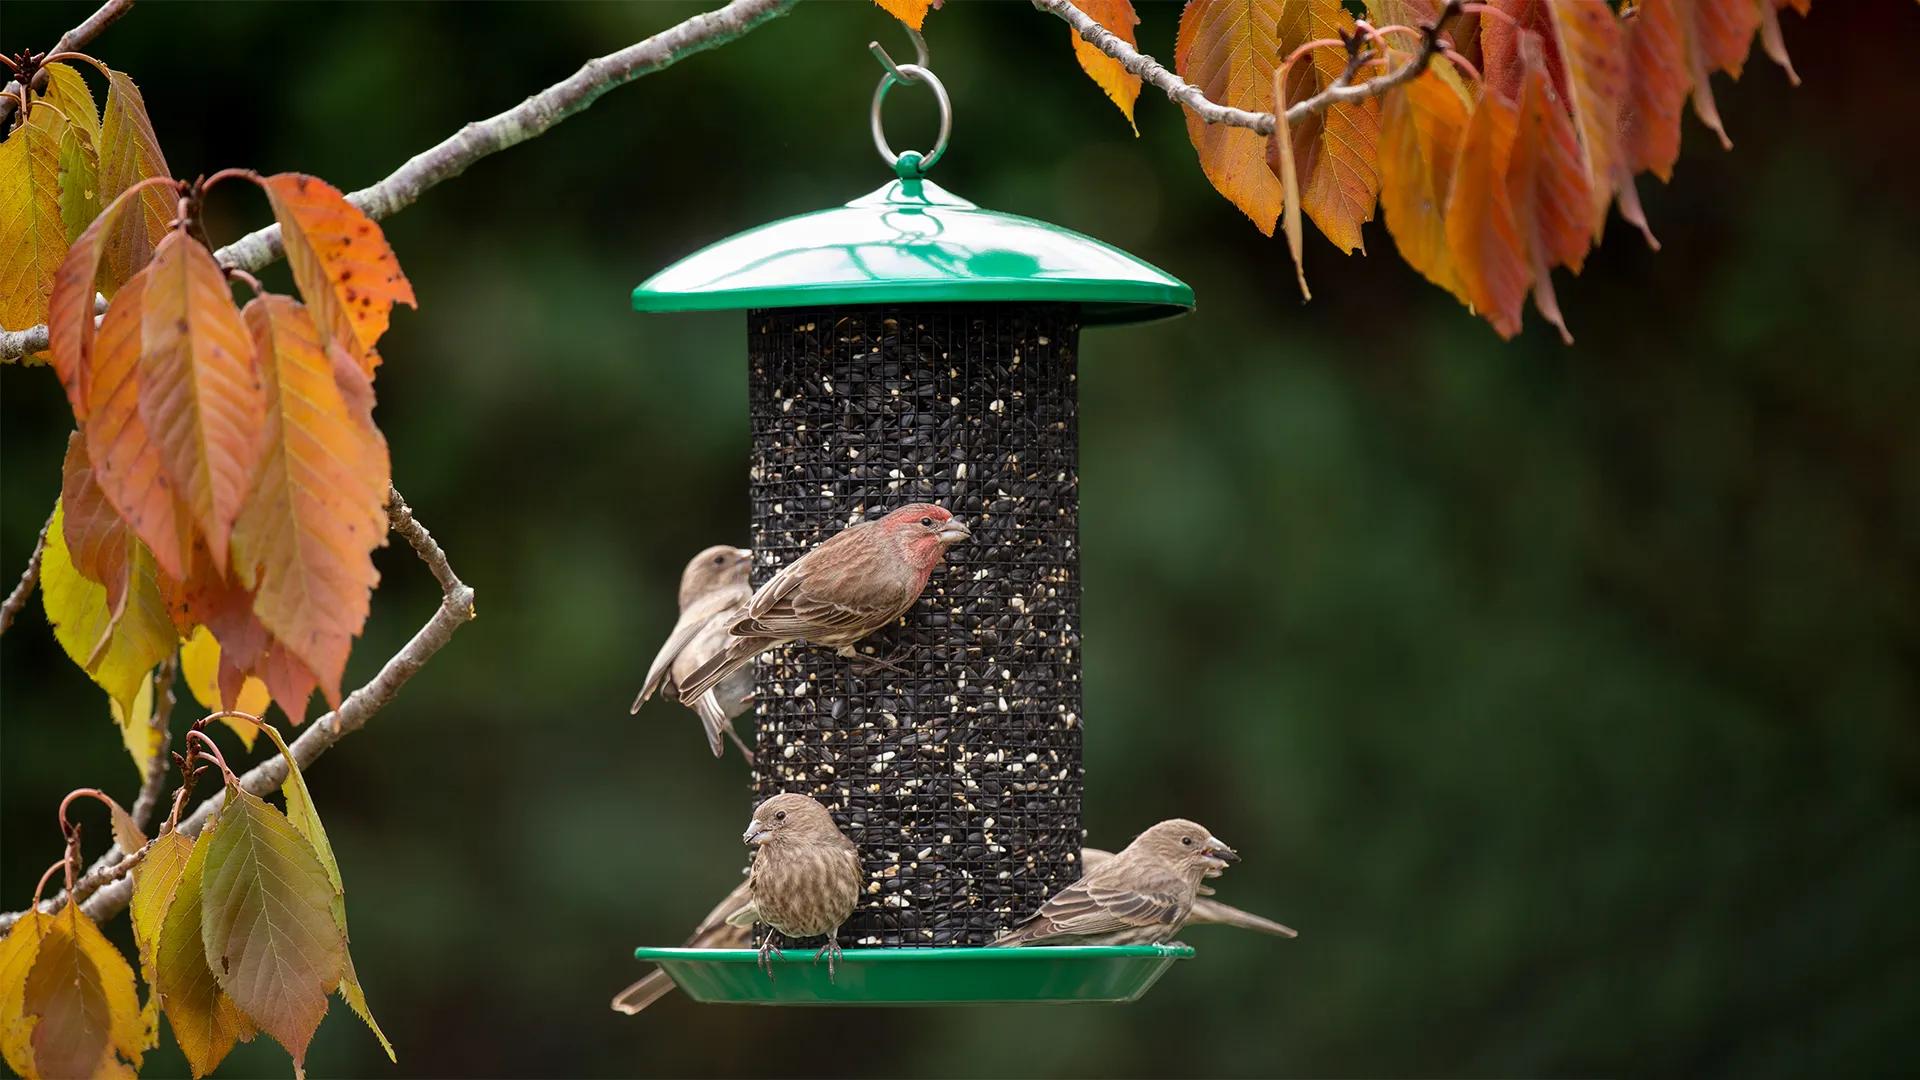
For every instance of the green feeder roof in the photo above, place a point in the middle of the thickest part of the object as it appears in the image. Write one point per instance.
(946, 976)
(914, 242)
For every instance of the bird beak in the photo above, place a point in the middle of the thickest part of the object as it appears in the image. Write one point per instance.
(743, 554)
(756, 833)
(1217, 855)
(953, 532)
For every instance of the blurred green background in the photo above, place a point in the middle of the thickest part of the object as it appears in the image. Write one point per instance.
(1568, 700)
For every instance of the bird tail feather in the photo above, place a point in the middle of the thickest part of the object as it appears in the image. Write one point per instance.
(651, 988)
(738, 653)
(718, 724)
(1213, 911)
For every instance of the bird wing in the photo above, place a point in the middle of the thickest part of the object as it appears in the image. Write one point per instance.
(1103, 903)
(836, 592)
(1213, 911)
(722, 916)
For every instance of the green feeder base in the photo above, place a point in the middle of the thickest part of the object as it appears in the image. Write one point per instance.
(1036, 975)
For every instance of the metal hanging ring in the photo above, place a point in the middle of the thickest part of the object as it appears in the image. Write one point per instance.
(911, 73)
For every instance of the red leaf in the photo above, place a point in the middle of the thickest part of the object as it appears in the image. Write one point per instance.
(340, 259)
(97, 540)
(201, 394)
(305, 540)
(1547, 184)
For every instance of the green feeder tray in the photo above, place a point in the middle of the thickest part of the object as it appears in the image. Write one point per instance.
(1039, 975)
(914, 242)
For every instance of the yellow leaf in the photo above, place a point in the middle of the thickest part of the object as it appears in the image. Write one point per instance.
(117, 653)
(137, 731)
(1228, 48)
(18, 951)
(205, 1022)
(306, 820)
(1107, 73)
(154, 883)
(200, 666)
(1421, 127)
(33, 235)
(67, 89)
(129, 153)
(81, 991)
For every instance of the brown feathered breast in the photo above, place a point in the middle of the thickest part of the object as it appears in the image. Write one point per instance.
(803, 889)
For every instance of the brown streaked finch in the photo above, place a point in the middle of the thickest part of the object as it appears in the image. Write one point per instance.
(855, 582)
(714, 932)
(712, 588)
(805, 877)
(1142, 896)
(1205, 911)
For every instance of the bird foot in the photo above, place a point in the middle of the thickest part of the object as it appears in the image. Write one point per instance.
(768, 951)
(867, 665)
(831, 950)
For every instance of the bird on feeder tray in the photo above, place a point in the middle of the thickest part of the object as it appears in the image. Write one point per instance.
(1142, 896)
(805, 877)
(854, 583)
(712, 588)
(714, 932)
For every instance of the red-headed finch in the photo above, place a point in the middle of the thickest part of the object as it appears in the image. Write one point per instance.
(712, 588)
(1205, 911)
(1141, 896)
(714, 932)
(857, 581)
(805, 877)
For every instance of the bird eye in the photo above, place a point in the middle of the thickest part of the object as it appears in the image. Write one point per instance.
(781, 816)
(1187, 840)
(719, 559)
(926, 522)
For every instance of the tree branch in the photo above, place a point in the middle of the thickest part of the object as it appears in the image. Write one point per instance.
(69, 42)
(29, 577)
(1191, 98)
(524, 121)
(105, 886)
(156, 780)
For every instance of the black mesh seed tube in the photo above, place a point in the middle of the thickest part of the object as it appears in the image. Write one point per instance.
(960, 780)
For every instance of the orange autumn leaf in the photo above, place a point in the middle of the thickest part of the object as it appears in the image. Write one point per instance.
(1121, 85)
(911, 12)
(1229, 49)
(125, 459)
(1422, 126)
(1481, 230)
(1547, 184)
(304, 543)
(201, 394)
(1335, 151)
(341, 260)
(1657, 83)
(70, 316)
(1281, 159)
(129, 153)
(1719, 34)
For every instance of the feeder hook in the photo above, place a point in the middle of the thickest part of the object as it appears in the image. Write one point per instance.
(911, 165)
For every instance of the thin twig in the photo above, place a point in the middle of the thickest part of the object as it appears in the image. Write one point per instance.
(155, 783)
(1197, 102)
(105, 887)
(29, 577)
(524, 121)
(70, 42)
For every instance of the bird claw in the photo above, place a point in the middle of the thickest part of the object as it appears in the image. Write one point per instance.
(868, 665)
(768, 951)
(831, 950)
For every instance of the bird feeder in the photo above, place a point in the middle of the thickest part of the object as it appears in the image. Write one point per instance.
(913, 347)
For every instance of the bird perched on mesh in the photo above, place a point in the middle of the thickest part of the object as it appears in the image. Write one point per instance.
(1142, 896)
(805, 877)
(712, 588)
(857, 581)
(714, 932)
